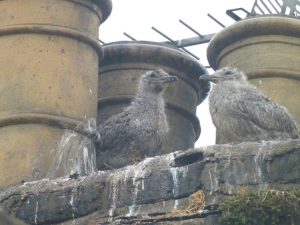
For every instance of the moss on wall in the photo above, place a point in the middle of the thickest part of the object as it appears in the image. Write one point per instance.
(268, 207)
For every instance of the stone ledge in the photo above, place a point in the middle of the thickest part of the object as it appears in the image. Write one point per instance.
(165, 182)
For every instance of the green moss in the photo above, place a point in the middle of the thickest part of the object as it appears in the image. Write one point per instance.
(268, 207)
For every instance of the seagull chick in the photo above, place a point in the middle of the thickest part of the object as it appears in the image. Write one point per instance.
(139, 130)
(240, 112)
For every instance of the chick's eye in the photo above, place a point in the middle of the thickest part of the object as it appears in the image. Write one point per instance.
(153, 75)
(227, 72)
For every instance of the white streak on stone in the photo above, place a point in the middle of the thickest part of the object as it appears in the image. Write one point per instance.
(36, 212)
(176, 173)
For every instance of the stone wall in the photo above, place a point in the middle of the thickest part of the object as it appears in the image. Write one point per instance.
(184, 187)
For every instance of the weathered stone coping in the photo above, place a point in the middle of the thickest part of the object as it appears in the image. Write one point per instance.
(163, 183)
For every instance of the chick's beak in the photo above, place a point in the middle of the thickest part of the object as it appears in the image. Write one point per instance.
(170, 79)
(211, 78)
(205, 77)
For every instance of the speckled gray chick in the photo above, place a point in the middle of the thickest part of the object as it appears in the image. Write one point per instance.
(240, 112)
(139, 130)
